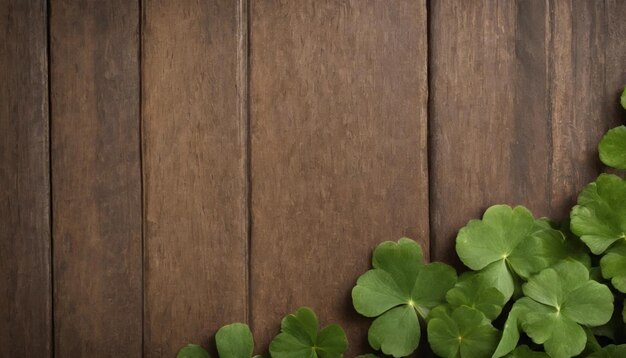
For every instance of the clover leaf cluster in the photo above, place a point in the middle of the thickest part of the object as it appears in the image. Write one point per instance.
(533, 289)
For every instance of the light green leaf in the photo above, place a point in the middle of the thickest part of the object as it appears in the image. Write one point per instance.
(623, 99)
(474, 290)
(613, 265)
(610, 351)
(600, 216)
(299, 338)
(234, 341)
(612, 148)
(526, 352)
(505, 242)
(399, 290)
(561, 299)
(465, 334)
(193, 351)
(396, 333)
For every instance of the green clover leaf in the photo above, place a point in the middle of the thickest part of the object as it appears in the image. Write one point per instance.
(506, 243)
(525, 352)
(510, 333)
(299, 338)
(399, 290)
(464, 333)
(623, 98)
(559, 300)
(610, 351)
(613, 265)
(612, 148)
(474, 291)
(193, 351)
(234, 341)
(600, 216)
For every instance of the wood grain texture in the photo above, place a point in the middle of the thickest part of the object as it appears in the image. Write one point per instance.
(25, 294)
(338, 151)
(520, 99)
(194, 172)
(96, 178)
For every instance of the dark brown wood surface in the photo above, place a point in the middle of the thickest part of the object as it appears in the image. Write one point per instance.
(338, 97)
(218, 161)
(25, 299)
(96, 178)
(194, 172)
(521, 93)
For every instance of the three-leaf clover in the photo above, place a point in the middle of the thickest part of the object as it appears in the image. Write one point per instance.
(464, 332)
(612, 148)
(399, 290)
(505, 242)
(559, 300)
(600, 216)
(300, 337)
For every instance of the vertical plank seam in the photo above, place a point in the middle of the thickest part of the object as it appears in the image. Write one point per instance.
(141, 175)
(429, 140)
(548, 53)
(243, 79)
(48, 10)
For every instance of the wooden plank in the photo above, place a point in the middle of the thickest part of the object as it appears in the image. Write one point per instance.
(194, 144)
(25, 290)
(519, 102)
(488, 125)
(338, 122)
(96, 178)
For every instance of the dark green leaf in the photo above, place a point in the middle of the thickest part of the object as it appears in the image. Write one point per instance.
(612, 148)
(610, 351)
(399, 290)
(600, 216)
(234, 341)
(505, 242)
(560, 300)
(473, 290)
(299, 338)
(193, 351)
(613, 265)
(467, 333)
(526, 352)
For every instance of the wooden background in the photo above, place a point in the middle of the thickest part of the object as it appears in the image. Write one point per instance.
(169, 166)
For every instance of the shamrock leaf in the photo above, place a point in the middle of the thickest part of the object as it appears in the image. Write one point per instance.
(613, 266)
(234, 341)
(600, 216)
(505, 242)
(610, 351)
(193, 351)
(612, 148)
(560, 300)
(525, 352)
(398, 291)
(465, 333)
(299, 338)
(474, 291)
